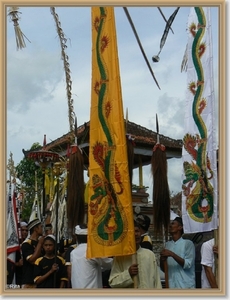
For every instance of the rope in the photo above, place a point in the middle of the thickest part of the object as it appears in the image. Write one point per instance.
(65, 58)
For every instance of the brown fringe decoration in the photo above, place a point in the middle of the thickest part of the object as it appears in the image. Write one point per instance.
(161, 197)
(75, 189)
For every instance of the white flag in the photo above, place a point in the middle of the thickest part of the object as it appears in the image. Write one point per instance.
(199, 188)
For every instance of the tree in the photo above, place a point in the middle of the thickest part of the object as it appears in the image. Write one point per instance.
(25, 171)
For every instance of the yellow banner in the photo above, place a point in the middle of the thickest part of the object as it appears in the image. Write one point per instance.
(110, 212)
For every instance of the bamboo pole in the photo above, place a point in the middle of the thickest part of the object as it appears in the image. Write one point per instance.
(140, 45)
(57, 172)
(43, 166)
(166, 274)
(216, 242)
(165, 239)
(166, 21)
(134, 261)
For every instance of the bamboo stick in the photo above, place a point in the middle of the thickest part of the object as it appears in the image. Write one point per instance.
(166, 274)
(216, 242)
(134, 261)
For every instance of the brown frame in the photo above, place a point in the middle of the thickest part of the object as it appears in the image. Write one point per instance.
(221, 291)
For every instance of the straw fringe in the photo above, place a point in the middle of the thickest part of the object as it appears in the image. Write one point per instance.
(19, 35)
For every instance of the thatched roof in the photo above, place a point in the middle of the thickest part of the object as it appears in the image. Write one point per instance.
(144, 140)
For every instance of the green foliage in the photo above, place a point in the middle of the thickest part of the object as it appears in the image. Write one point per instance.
(138, 187)
(25, 171)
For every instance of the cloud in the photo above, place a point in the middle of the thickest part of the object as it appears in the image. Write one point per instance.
(37, 103)
(31, 79)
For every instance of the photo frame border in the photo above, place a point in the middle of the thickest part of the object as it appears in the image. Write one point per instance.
(221, 291)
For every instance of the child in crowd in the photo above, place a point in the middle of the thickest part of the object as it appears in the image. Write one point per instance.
(50, 270)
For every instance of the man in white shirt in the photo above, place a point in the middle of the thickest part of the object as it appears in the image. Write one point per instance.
(86, 273)
(124, 270)
(179, 256)
(208, 279)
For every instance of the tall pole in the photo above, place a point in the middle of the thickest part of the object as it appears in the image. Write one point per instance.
(44, 158)
(57, 173)
(216, 242)
(43, 166)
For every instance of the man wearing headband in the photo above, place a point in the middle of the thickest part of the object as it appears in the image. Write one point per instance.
(86, 273)
(179, 254)
(145, 269)
(31, 249)
(50, 270)
(48, 229)
(24, 230)
(144, 222)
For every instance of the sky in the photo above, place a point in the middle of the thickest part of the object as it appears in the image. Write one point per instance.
(36, 86)
(36, 99)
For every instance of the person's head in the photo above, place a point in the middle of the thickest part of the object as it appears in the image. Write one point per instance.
(48, 229)
(176, 226)
(35, 226)
(49, 244)
(81, 232)
(144, 222)
(137, 233)
(24, 230)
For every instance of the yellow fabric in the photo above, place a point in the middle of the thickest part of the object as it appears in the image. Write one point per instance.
(86, 192)
(110, 212)
(147, 238)
(47, 183)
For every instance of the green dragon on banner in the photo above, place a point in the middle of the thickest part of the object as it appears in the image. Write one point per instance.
(109, 218)
(196, 186)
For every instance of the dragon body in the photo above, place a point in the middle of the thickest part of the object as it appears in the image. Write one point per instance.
(108, 216)
(196, 185)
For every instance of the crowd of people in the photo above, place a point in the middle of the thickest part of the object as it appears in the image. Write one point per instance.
(42, 263)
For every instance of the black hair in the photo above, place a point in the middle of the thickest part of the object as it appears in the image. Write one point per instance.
(32, 229)
(136, 224)
(144, 221)
(50, 239)
(82, 238)
(180, 222)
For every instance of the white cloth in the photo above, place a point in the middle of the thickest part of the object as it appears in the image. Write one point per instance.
(148, 272)
(51, 236)
(80, 231)
(23, 224)
(200, 123)
(87, 273)
(207, 259)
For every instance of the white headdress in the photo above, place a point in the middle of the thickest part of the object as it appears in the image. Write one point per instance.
(80, 231)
